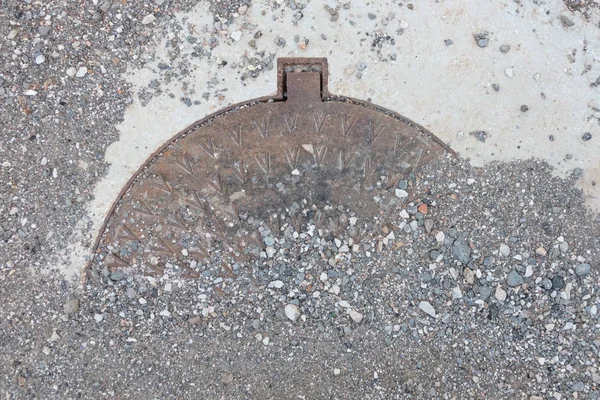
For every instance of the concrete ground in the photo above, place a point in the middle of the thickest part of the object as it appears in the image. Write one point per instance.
(91, 89)
(422, 62)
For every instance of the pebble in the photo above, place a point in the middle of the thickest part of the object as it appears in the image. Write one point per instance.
(227, 379)
(582, 269)
(566, 21)
(276, 284)
(242, 9)
(292, 312)
(586, 136)
(524, 108)
(71, 306)
(504, 250)
(148, 19)
(514, 279)
(40, 59)
(505, 48)
(71, 71)
(500, 294)
(401, 193)
(164, 313)
(427, 308)
(461, 250)
(540, 251)
(457, 293)
(482, 39)
(448, 42)
(356, 316)
(81, 72)
(509, 71)
(237, 35)
(98, 317)
(440, 237)
(336, 371)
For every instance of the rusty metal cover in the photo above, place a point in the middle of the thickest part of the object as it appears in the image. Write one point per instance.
(302, 161)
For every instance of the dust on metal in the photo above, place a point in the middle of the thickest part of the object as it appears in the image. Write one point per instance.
(301, 162)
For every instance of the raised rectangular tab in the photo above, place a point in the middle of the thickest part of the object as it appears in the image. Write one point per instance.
(303, 87)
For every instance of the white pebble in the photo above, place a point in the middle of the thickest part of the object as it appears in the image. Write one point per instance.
(165, 313)
(40, 59)
(509, 71)
(292, 312)
(237, 35)
(98, 317)
(401, 193)
(275, 284)
(500, 294)
(148, 19)
(427, 308)
(356, 316)
(81, 72)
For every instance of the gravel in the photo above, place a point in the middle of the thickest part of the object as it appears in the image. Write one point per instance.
(454, 299)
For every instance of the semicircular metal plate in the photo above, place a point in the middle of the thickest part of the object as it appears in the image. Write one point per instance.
(303, 162)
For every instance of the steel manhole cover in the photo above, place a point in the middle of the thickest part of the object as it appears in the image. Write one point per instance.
(304, 163)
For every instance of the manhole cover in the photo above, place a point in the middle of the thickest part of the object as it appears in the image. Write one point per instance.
(302, 164)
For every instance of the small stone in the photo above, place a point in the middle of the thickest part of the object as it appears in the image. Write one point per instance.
(558, 282)
(500, 294)
(30, 92)
(504, 250)
(578, 386)
(440, 237)
(356, 316)
(40, 59)
(164, 313)
(514, 279)
(71, 71)
(534, 397)
(336, 371)
(275, 284)
(566, 21)
(482, 39)
(242, 9)
(372, 16)
(227, 379)
(540, 251)
(469, 275)
(401, 193)
(71, 306)
(461, 250)
(116, 276)
(428, 225)
(427, 308)
(582, 269)
(148, 19)
(292, 312)
(457, 293)
(237, 35)
(448, 42)
(509, 71)
(524, 108)
(586, 136)
(505, 48)
(81, 72)
(98, 317)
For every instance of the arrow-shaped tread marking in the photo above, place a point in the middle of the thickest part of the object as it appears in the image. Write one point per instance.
(369, 166)
(345, 159)
(290, 121)
(144, 209)
(262, 126)
(400, 145)
(239, 171)
(185, 164)
(127, 234)
(208, 147)
(347, 124)
(176, 222)
(264, 162)
(236, 135)
(161, 184)
(292, 155)
(319, 154)
(216, 183)
(319, 117)
(196, 203)
(374, 131)
(162, 247)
